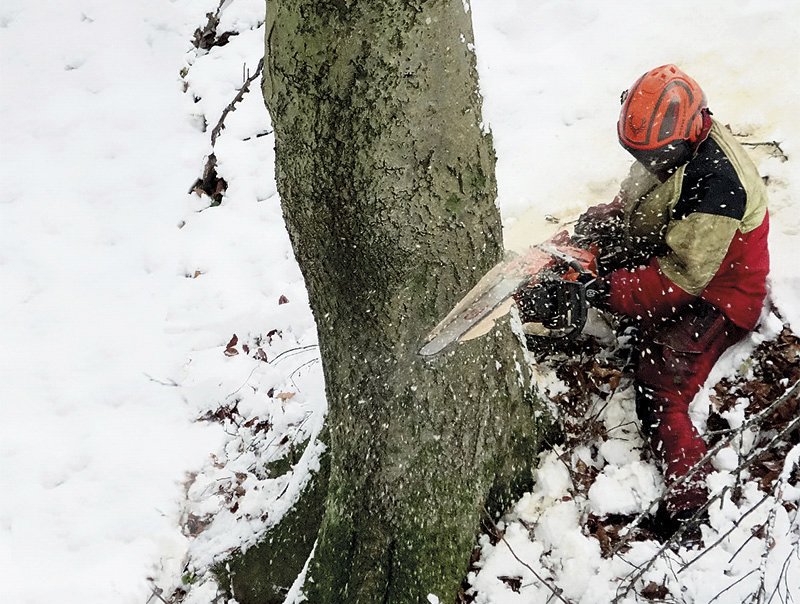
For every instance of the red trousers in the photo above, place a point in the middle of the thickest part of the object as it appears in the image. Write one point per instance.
(675, 359)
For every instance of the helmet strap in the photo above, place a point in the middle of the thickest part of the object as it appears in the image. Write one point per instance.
(705, 128)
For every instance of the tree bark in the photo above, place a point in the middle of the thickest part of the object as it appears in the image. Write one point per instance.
(387, 184)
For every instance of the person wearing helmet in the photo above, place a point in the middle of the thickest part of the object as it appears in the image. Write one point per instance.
(686, 248)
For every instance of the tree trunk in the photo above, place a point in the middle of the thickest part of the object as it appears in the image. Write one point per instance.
(387, 184)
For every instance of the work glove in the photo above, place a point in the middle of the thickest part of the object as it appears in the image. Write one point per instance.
(600, 222)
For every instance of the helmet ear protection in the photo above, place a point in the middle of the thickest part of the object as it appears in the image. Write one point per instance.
(663, 117)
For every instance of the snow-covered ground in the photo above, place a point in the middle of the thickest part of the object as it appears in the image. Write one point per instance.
(121, 292)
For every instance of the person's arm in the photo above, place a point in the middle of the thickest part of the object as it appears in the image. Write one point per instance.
(697, 242)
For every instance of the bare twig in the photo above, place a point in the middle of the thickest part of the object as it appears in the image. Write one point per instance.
(784, 574)
(695, 519)
(753, 532)
(554, 590)
(761, 594)
(171, 383)
(232, 105)
(731, 586)
(753, 420)
(258, 135)
(156, 591)
(210, 182)
(302, 366)
(776, 146)
(292, 352)
(736, 524)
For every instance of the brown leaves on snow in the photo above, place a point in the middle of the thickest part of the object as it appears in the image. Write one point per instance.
(253, 349)
(774, 367)
(608, 532)
(655, 591)
(230, 348)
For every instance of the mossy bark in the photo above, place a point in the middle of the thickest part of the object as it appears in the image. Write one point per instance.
(387, 183)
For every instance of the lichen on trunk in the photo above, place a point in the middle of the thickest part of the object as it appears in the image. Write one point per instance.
(386, 177)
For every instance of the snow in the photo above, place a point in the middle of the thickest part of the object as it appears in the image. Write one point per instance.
(121, 290)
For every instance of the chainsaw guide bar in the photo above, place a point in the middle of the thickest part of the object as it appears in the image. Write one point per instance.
(490, 299)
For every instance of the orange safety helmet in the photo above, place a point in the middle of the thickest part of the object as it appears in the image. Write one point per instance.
(662, 119)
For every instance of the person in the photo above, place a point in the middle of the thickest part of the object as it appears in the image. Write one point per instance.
(685, 249)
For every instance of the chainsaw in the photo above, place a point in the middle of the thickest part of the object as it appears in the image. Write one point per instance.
(548, 282)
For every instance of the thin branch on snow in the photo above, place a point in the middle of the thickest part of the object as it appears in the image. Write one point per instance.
(777, 151)
(784, 574)
(232, 105)
(761, 594)
(292, 352)
(753, 532)
(731, 586)
(736, 524)
(758, 418)
(775, 145)
(556, 591)
(696, 518)
(156, 591)
(171, 383)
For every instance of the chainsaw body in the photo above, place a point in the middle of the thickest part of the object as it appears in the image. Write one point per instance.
(554, 302)
(548, 283)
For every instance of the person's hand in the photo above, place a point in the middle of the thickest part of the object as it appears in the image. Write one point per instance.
(601, 223)
(603, 212)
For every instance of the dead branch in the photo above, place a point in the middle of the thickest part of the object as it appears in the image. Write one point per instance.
(206, 37)
(753, 533)
(761, 593)
(232, 105)
(777, 151)
(556, 591)
(210, 183)
(783, 574)
(291, 352)
(156, 592)
(736, 524)
(757, 418)
(731, 586)
(695, 519)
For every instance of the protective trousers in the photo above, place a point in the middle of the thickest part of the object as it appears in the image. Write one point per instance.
(675, 359)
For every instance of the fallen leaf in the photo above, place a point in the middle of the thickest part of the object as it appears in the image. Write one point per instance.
(654, 591)
(285, 396)
(513, 582)
(196, 524)
(283, 300)
(230, 349)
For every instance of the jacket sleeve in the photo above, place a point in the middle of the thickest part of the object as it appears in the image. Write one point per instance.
(645, 292)
(697, 246)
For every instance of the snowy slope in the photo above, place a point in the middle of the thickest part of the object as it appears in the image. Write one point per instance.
(121, 291)
(98, 151)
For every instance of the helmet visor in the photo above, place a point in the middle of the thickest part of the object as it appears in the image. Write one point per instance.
(665, 159)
